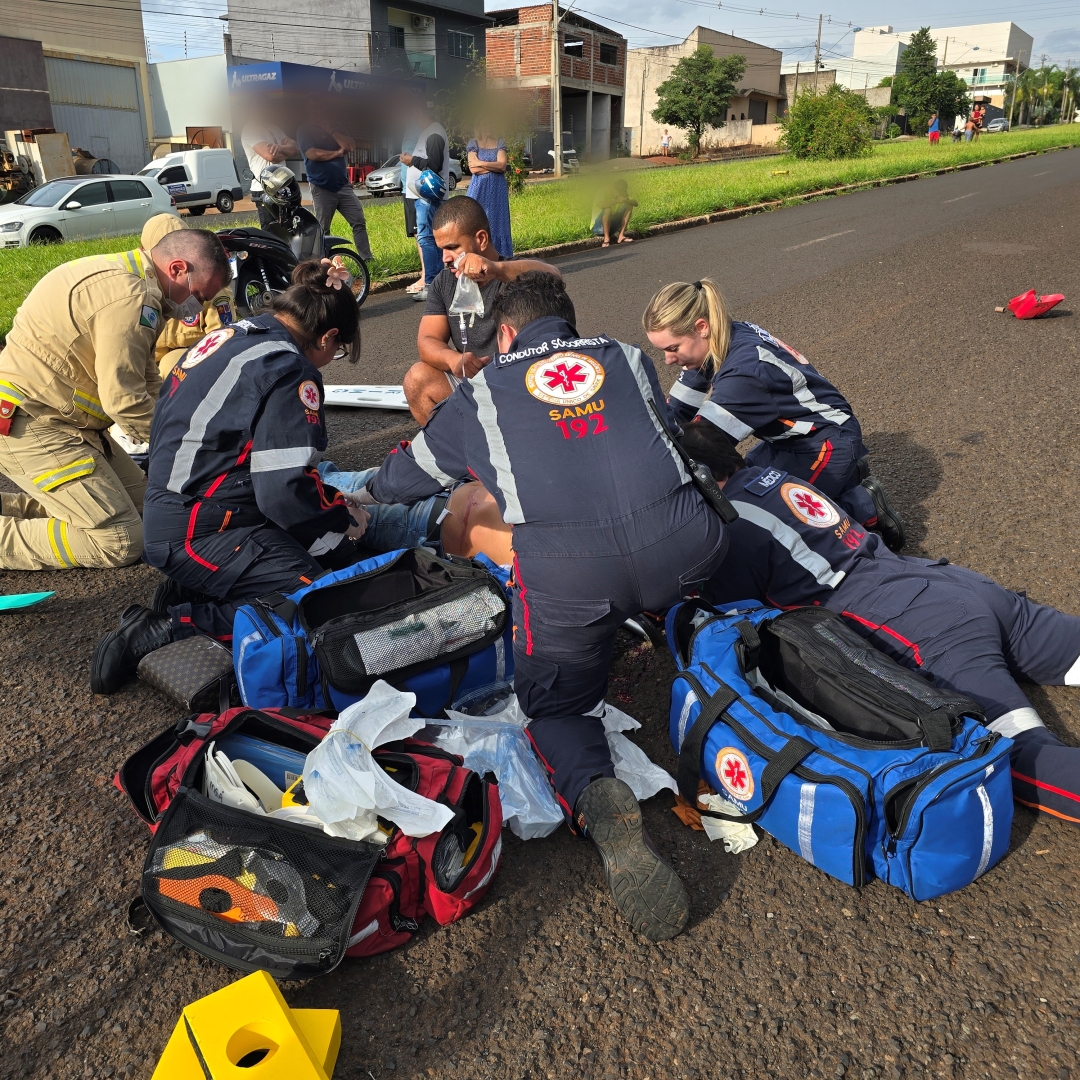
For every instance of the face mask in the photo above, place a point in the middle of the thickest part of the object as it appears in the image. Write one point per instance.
(189, 309)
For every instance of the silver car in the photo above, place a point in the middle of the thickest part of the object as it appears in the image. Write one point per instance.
(386, 179)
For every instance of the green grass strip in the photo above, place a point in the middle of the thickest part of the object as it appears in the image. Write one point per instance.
(556, 213)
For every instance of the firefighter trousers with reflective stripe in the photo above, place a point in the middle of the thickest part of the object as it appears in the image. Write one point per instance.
(82, 500)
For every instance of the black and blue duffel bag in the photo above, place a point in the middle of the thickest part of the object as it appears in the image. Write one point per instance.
(857, 764)
(438, 626)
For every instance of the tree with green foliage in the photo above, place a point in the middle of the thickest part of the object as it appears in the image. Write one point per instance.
(836, 124)
(920, 89)
(697, 93)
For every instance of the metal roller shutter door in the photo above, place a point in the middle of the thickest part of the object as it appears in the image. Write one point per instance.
(99, 106)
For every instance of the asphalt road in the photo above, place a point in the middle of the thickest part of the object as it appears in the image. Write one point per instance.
(971, 418)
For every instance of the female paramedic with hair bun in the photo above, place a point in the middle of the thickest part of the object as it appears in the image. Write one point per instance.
(746, 382)
(235, 507)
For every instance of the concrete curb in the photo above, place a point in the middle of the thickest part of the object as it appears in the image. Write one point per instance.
(399, 281)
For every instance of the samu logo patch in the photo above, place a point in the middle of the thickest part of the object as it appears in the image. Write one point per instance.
(566, 378)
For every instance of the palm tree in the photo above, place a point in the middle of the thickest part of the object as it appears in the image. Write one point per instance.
(1070, 86)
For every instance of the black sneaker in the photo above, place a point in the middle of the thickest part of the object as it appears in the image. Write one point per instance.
(646, 889)
(889, 523)
(118, 653)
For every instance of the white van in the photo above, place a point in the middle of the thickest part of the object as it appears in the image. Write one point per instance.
(197, 179)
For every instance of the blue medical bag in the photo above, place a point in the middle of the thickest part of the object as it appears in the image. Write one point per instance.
(857, 764)
(437, 626)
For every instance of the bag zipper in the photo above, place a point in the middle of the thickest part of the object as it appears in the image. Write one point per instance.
(988, 741)
(858, 869)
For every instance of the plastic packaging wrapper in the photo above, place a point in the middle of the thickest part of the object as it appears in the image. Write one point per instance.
(348, 791)
(737, 836)
(497, 743)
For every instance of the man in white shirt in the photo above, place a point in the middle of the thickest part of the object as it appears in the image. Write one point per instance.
(264, 144)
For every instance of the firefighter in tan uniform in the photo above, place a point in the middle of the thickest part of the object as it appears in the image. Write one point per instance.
(79, 356)
(178, 335)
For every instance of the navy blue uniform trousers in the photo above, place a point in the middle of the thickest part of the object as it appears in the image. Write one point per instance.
(828, 459)
(574, 588)
(971, 635)
(250, 561)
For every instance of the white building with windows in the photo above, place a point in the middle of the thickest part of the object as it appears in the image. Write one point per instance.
(983, 55)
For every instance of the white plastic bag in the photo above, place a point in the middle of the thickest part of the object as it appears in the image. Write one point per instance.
(632, 765)
(497, 743)
(348, 791)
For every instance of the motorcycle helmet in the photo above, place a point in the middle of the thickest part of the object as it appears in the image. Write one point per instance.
(279, 185)
(430, 187)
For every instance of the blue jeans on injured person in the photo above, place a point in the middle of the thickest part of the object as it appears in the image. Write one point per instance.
(432, 255)
(393, 525)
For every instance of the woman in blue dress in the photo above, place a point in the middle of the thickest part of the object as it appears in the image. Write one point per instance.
(487, 163)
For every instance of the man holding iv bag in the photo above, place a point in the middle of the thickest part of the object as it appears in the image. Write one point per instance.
(457, 333)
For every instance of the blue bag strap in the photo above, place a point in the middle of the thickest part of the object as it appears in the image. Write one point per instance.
(780, 764)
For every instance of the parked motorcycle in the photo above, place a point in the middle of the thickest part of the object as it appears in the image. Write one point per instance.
(263, 259)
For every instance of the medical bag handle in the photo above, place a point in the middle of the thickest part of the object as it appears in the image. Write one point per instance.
(700, 474)
(784, 761)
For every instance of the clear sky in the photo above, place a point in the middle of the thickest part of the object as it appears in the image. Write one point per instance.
(1054, 24)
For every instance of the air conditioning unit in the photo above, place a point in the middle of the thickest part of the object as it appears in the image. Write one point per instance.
(422, 22)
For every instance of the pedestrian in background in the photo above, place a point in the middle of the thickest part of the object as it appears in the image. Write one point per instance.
(324, 151)
(264, 144)
(611, 214)
(665, 143)
(408, 143)
(934, 131)
(430, 152)
(487, 163)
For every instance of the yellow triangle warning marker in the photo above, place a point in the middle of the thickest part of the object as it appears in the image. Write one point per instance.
(247, 1031)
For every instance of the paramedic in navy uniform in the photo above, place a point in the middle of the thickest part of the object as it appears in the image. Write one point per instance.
(744, 381)
(606, 523)
(235, 507)
(792, 546)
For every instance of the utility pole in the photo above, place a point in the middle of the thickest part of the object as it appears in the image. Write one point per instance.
(817, 53)
(641, 124)
(945, 54)
(795, 92)
(556, 88)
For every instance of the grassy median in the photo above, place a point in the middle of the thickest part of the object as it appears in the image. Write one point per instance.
(554, 213)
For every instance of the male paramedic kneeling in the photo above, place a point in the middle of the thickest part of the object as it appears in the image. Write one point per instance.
(79, 356)
(745, 382)
(235, 507)
(606, 523)
(792, 546)
(178, 335)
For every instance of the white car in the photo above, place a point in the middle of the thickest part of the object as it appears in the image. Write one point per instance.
(82, 208)
(386, 179)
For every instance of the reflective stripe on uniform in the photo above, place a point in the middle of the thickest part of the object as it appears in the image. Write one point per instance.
(1012, 723)
(633, 358)
(89, 405)
(801, 391)
(132, 261)
(488, 416)
(814, 564)
(794, 428)
(289, 457)
(51, 480)
(725, 421)
(59, 543)
(423, 457)
(10, 392)
(211, 405)
(687, 394)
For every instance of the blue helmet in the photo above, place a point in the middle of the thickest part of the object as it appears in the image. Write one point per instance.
(431, 187)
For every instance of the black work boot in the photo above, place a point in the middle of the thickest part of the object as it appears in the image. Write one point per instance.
(889, 523)
(646, 890)
(118, 653)
(171, 593)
